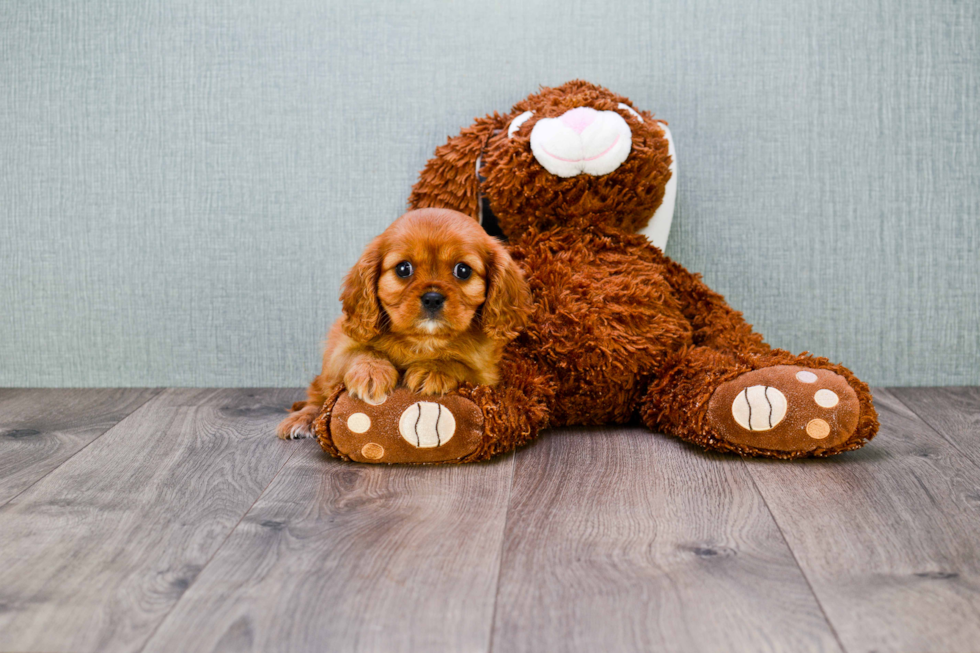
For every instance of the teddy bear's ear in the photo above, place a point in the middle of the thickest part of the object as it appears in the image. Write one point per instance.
(449, 179)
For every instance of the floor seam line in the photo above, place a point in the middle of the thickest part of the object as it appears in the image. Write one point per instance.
(500, 555)
(796, 560)
(220, 546)
(87, 445)
(932, 428)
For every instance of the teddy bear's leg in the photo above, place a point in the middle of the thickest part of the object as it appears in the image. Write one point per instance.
(471, 424)
(774, 404)
(714, 324)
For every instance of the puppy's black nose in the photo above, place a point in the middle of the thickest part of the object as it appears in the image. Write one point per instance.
(433, 301)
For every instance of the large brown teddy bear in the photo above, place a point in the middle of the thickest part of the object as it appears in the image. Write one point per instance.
(619, 332)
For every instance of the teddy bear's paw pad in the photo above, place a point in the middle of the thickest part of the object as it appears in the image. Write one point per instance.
(785, 408)
(406, 428)
(426, 424)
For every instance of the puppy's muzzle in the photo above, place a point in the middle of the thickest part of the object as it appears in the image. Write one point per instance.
(432, 302)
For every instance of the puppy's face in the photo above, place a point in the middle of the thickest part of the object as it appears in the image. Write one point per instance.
(433, 276)
(435, 272)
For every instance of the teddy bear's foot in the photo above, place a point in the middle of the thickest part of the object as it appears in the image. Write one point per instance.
(404, 428)
(784, 408)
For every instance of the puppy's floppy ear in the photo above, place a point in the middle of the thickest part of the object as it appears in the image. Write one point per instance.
(507, 307)
(362, 312)
(448, 180)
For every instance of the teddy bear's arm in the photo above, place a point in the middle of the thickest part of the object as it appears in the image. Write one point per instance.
(449, 178)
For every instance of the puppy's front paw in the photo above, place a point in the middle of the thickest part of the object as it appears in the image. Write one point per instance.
(371, 380)
(299, 424)
(429, 381)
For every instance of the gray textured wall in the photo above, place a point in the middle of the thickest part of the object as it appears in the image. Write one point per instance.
(183, 184)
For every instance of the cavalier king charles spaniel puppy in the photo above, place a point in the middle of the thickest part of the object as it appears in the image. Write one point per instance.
(433, 300)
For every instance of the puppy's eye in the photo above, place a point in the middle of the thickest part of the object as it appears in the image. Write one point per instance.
(404, 269)
(462, 271)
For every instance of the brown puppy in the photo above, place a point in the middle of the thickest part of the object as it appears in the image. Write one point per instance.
(433, 298)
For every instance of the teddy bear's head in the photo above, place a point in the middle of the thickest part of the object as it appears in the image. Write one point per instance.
(576, 156)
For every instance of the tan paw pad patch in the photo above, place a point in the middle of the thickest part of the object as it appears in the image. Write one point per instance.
(817, 429)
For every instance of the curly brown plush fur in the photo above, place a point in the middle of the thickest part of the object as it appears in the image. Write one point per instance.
(618, 330)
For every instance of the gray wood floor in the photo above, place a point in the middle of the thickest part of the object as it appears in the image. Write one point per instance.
(174, 520)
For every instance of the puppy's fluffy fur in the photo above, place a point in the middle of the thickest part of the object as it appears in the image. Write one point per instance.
(386, 331)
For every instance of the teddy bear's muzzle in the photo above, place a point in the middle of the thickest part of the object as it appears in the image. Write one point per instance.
(581, 141)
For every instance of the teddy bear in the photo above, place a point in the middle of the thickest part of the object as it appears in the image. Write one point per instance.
(618, 332)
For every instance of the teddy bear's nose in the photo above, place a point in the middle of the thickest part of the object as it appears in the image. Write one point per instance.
(578, 119)
(581, 140)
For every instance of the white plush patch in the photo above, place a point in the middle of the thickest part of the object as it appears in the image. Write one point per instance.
(426, 424)
(806, 377)
(359, 423)
(626, 107)
(759, 408)
(516, 123)
(581, 140)
(826, 398)
(658, 229)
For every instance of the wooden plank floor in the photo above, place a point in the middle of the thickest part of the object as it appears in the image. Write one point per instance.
(174, 520)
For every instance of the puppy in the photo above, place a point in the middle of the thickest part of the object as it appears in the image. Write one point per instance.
(433, 300)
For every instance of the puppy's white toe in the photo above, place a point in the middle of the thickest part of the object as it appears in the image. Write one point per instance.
(300, 431)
